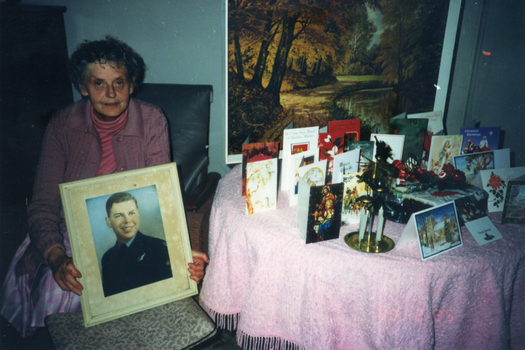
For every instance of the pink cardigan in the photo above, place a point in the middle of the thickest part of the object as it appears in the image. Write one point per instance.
(72, 151)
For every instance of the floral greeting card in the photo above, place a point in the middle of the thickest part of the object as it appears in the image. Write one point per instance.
(495, 182)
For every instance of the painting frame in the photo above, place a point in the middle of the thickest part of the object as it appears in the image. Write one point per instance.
(76, 198)
(441, 85)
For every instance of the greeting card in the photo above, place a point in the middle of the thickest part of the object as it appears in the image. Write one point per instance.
(350, 128)
(479, 139)
(314, 174)
(395, 142)
(483, 230)
(298, 160)
(345, 163)
(261, 186)
(319, 211)
(415, 131)
(330, 144)
(471, 164)
(295, 141)
(435, 229)
(366, 149)
(254, 152)
(353, 189)
(495, 182)
(442, 150)
(434, 127)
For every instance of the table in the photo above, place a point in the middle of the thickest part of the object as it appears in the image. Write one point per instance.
(275, 290)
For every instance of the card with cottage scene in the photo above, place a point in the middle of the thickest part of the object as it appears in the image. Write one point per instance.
(436, 230)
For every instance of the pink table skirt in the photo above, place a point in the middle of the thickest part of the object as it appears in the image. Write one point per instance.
(277, 291)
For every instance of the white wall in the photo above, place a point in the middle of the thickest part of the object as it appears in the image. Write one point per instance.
(181, 41)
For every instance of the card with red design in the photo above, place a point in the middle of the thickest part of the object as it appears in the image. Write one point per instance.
(351, 129)
(495, 182)
(255, 152)
(330, 144)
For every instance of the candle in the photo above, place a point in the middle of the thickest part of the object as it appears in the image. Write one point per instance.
(362, 224)
(380, 224)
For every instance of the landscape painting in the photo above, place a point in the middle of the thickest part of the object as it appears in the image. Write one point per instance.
(302, 63)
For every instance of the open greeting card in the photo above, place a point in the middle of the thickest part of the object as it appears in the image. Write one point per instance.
(297, 161)
(296, 141)
(350, 128)
(436, 230)
(396, 143)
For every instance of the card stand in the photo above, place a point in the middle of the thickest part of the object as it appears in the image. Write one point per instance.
(368, 244)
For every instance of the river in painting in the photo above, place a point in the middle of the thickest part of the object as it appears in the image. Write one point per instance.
(373, 107)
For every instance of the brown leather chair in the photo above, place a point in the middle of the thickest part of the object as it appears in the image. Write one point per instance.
(187, 108)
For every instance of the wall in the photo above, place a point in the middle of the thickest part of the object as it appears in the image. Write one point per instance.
(183, 42)
(490, 87)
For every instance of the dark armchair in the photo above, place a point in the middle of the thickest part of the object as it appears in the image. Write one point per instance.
(187, 108)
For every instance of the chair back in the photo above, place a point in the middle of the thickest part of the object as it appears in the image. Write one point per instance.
(187, 108)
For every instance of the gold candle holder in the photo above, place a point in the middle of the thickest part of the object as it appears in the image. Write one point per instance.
(368, 244)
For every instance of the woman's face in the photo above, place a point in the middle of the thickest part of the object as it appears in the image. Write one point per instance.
(108, 88)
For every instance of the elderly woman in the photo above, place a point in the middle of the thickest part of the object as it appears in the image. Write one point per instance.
(105, 132)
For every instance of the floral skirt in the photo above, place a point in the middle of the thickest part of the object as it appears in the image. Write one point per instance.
(26, 300)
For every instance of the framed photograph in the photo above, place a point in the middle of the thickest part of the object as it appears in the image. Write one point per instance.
(129, 239)
(438, 230)
(514, 208)
(307, 63)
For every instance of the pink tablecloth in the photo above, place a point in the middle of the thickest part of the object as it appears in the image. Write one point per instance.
(277, 291)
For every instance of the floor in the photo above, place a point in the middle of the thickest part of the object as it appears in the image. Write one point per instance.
(41, 340)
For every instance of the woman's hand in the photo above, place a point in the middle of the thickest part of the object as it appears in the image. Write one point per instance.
(196, 268)
(64, 272)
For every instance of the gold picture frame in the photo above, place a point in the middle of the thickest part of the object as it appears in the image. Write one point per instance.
(90, 236)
